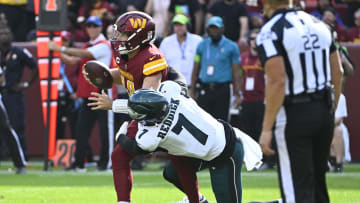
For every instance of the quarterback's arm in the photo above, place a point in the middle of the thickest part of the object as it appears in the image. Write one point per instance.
(115, 73)
(152, 81)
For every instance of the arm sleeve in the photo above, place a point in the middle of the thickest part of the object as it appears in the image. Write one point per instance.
(130, 145)
(332, 46)
(101, 52)
(154, 64)
(268, 45)
(147, 139)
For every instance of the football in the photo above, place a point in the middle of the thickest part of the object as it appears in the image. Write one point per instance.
(99, 74)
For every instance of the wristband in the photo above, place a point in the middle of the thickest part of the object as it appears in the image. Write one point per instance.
(120, 106)
(62, 49)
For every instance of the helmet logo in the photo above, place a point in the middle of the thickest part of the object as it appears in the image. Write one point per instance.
(138, 22)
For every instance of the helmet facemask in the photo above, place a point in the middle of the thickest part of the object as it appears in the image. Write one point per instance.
(121, 47)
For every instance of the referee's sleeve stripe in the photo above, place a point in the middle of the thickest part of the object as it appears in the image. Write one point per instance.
(269, 48)
(262, 55)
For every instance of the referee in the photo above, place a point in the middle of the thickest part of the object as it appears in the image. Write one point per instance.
(302, 65)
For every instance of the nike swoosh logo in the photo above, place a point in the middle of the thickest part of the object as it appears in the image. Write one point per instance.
(152, 58)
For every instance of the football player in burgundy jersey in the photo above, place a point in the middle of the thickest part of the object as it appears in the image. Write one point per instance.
(140, 65)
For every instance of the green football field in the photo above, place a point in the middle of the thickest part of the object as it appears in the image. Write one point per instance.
(58, 186)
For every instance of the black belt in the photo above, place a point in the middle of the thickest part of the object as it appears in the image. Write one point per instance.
(308, 97)
(213, 85)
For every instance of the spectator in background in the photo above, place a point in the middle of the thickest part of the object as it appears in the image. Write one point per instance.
(189, 8)
(15, 12)
(256, 21)
(337, 150)
(158, 9)
(253, 88)
(180, 48)
(77, 30)
(14, 60)
(321, 7)
(68, 103)
(253, 6)
(329, 18)
(354, 33)
(98, 48)
(217, 64)
(235, 16)
(73, 5)
(352, 7)
(131, 5)
(340, 149)
(99, 8)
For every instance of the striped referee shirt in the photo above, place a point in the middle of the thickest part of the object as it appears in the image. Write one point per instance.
(305, 43)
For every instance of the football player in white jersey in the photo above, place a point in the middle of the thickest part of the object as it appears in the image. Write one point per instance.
(170, 120)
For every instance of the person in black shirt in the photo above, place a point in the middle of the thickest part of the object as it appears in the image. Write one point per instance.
(235, 16)
(189, 8)
(14, 60)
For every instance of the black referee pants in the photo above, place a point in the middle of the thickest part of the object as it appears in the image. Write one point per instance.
(303, 135)
(85, 124)
(11, 138)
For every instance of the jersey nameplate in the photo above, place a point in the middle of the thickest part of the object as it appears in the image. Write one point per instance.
(167, 123)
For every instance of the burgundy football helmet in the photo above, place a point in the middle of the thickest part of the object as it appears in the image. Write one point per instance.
(138, 26)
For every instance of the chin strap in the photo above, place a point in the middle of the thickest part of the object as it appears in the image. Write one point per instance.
(120, 106)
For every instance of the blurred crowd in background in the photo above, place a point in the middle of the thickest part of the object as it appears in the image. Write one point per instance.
(241, 19)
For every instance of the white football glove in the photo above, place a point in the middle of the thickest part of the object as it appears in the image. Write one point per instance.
(122, 130)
